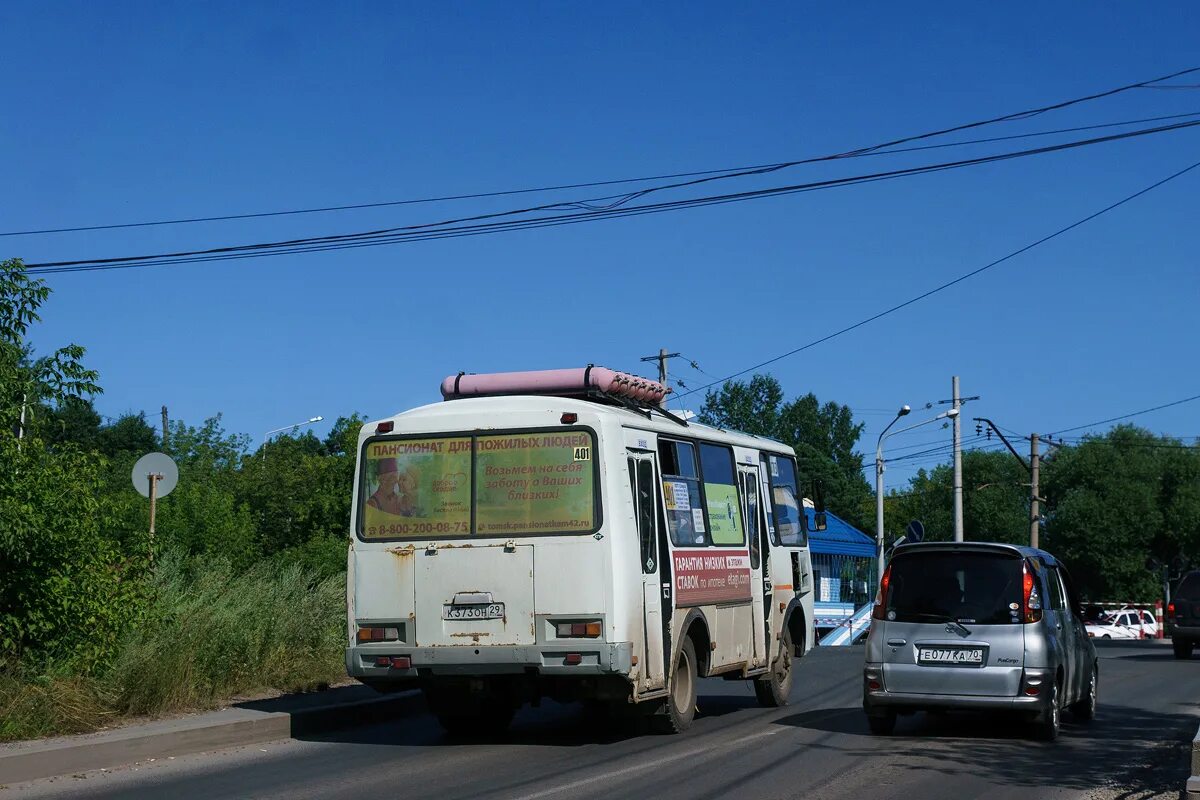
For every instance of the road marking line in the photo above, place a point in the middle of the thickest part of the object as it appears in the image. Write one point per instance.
(658, 762)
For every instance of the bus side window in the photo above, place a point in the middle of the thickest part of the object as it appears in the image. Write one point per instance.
(721, 495)
(681, 491)
(786, 501)
(646, 506)
(753, 522)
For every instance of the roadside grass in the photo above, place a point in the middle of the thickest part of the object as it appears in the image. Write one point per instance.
(36, 705)
(209, 634)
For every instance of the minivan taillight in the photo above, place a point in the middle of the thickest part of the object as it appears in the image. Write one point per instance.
(1032, 597)
(881, 596)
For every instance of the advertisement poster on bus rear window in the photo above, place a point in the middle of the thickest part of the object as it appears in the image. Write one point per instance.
(534, 483)
(416, 487)
(706, 576)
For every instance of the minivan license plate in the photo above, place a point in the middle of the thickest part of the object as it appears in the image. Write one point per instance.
(473, 611)
(951, 656)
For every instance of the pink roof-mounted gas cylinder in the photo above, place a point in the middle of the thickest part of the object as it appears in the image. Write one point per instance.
(557, 382)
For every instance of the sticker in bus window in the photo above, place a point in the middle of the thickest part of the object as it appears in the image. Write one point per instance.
(774, 466)
(676, 493)
(698, 520)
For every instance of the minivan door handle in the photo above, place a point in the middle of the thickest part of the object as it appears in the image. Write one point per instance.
(896, 642)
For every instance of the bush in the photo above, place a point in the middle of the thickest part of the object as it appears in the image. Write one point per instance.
(66, 591)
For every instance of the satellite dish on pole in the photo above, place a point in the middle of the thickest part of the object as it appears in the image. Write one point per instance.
(915, 532)
(159, 464)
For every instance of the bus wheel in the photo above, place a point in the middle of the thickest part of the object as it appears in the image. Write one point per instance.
(680, 706)
(774, 688)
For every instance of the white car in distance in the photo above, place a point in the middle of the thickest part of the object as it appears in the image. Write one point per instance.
(1128, 623)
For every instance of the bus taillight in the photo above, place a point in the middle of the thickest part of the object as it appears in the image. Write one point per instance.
(576, 630)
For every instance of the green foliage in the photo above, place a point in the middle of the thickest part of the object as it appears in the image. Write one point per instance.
(66, 589)
(214, 633)
(995, 500)
(1117, 499)
(823, 435)
(130, 434)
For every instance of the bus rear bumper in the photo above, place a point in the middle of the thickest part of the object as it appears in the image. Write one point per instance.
(579, 659)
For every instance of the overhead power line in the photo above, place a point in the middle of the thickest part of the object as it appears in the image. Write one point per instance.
(477, 225)
(1127, 416)
(725, 172)
(960, 279)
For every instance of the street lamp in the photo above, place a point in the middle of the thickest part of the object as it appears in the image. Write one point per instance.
(950, 414)
(268, 434)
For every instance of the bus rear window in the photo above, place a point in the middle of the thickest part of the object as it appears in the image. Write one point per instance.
(534, 483)
(526, 483)
(416, 487)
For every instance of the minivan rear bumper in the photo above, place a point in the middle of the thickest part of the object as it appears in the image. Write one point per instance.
(875, 700)
(949, 702)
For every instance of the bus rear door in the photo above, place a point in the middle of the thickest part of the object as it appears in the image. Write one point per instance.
(652, 567)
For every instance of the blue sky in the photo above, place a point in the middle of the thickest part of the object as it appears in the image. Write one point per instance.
(131, 112)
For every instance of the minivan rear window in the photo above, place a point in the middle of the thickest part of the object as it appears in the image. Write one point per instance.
(980, 588)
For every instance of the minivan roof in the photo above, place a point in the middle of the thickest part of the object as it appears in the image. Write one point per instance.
(962, 547)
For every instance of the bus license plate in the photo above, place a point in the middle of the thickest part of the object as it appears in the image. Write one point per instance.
(473, 611)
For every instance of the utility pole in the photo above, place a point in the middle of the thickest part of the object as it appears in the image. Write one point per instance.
(958, 479)
(164, 421)
(1034, 515)
(1033, 468)
(661, 358)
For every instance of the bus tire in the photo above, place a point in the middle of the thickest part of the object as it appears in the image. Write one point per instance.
(774, 688)
(679, 709)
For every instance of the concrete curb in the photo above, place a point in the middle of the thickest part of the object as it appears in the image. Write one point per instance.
(1193, 783)
(230, 727)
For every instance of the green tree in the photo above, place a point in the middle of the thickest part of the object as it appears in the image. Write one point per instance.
(66, 591)
(1117, 499)
(995, 500)
(128, 434)
(823, 435)
(300, 488)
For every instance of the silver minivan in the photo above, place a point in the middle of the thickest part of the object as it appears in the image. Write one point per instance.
(977, 626)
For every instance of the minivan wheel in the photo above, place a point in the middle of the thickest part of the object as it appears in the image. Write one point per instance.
(772, 689)
(1085, 709)
(1182, 647)
(1048, 722)
(882, 724)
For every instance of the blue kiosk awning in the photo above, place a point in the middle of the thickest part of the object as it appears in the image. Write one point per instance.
(839, 538)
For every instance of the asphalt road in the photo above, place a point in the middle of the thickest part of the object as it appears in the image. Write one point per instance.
(818, 747)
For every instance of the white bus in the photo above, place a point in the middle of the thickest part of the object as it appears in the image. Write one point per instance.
(553, 534)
